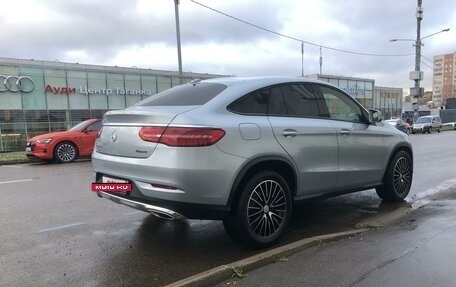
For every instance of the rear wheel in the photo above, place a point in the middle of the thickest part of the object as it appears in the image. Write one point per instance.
(439, 130)
(262, 211)
(430, 130)
(65, 152)
(398, 178)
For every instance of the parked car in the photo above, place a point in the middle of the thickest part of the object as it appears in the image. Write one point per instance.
(427, 124)
(400, 125)
(245, 150)
(65, 146)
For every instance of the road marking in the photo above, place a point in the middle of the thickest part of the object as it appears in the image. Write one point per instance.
(60, 227)
(13, 166)
(15, 181)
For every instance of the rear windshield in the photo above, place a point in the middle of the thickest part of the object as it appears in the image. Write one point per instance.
(185, 95)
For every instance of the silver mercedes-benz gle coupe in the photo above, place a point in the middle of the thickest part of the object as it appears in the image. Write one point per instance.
(244, 150)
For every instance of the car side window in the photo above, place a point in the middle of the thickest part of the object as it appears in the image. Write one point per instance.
(94, 127)
(276, 106)
(253, 103)
(300, 100)
(340, 106)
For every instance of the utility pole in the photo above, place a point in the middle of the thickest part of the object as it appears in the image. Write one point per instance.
(321, 62)
(417, 75)
(179, 55)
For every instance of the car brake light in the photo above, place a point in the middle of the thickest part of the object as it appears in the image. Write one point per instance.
(182, 136)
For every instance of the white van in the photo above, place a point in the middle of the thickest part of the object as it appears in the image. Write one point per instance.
(427, 124)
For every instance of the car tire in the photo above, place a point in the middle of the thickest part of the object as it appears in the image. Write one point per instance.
(439, 130)
(398, 178)
(261, 212)
(65, 152)
(430, 130)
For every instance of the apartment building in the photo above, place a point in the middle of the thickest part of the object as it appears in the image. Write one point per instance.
(444, 79)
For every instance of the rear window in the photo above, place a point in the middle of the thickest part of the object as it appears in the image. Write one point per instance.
(185, 95)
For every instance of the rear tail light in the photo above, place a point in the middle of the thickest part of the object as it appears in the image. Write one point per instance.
(182, 136)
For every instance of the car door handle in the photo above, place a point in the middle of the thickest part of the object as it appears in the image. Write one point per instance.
(345, 131)
(289, 133)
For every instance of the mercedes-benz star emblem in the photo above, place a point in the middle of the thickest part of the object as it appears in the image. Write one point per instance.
(114, 136)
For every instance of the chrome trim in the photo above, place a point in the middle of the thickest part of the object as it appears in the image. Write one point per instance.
(140, 125)
(152, 209)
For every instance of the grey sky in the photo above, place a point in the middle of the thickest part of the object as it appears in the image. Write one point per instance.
(142, 34)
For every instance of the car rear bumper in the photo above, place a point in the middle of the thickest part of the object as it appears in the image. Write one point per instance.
(168, 209)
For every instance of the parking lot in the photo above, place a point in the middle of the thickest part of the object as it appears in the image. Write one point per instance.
(56, 232)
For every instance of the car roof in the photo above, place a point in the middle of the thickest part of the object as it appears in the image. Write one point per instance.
(266, 80)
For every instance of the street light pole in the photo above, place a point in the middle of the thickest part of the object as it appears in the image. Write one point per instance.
(419, 17)
(179, 55)
(417, 75)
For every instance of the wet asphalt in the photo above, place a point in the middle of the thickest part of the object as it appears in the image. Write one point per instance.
(56, 232)
(417, 250)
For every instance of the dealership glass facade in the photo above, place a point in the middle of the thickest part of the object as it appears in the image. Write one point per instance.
(38, 97)
(389, 102)
(361, 89)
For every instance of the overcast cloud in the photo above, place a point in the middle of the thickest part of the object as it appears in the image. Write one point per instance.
(142, 33)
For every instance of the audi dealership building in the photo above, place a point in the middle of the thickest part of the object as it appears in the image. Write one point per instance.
(42, 96)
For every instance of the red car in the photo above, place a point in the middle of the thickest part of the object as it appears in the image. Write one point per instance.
(65, 146)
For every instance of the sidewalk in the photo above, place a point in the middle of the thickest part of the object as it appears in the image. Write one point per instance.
(419, 250)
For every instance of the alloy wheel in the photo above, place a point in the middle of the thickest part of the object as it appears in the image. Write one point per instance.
(402, 175)
(267, 208)
(66, 152)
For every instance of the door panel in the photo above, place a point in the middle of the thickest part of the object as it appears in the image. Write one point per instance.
(362, 153)
(309, 139)
(362, 149)
(312, 144)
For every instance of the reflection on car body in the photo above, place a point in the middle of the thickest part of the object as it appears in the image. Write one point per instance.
(244, 150)
(400, 125)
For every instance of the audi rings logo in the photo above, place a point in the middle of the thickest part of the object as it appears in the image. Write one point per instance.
(16, 84)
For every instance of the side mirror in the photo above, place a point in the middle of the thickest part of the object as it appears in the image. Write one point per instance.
(375, 116)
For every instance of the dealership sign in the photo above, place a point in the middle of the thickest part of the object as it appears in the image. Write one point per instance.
(25, 84)
(354, 91)
(95, 91)
(16, 84)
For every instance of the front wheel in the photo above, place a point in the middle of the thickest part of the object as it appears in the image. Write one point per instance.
(65, 152)
(262, 211)
(398, 178)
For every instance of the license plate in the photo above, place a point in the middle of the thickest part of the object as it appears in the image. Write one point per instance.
(107, 179)
(28, 149)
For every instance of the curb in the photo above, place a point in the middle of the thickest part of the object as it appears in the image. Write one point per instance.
(20, 161)
(221, 273)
